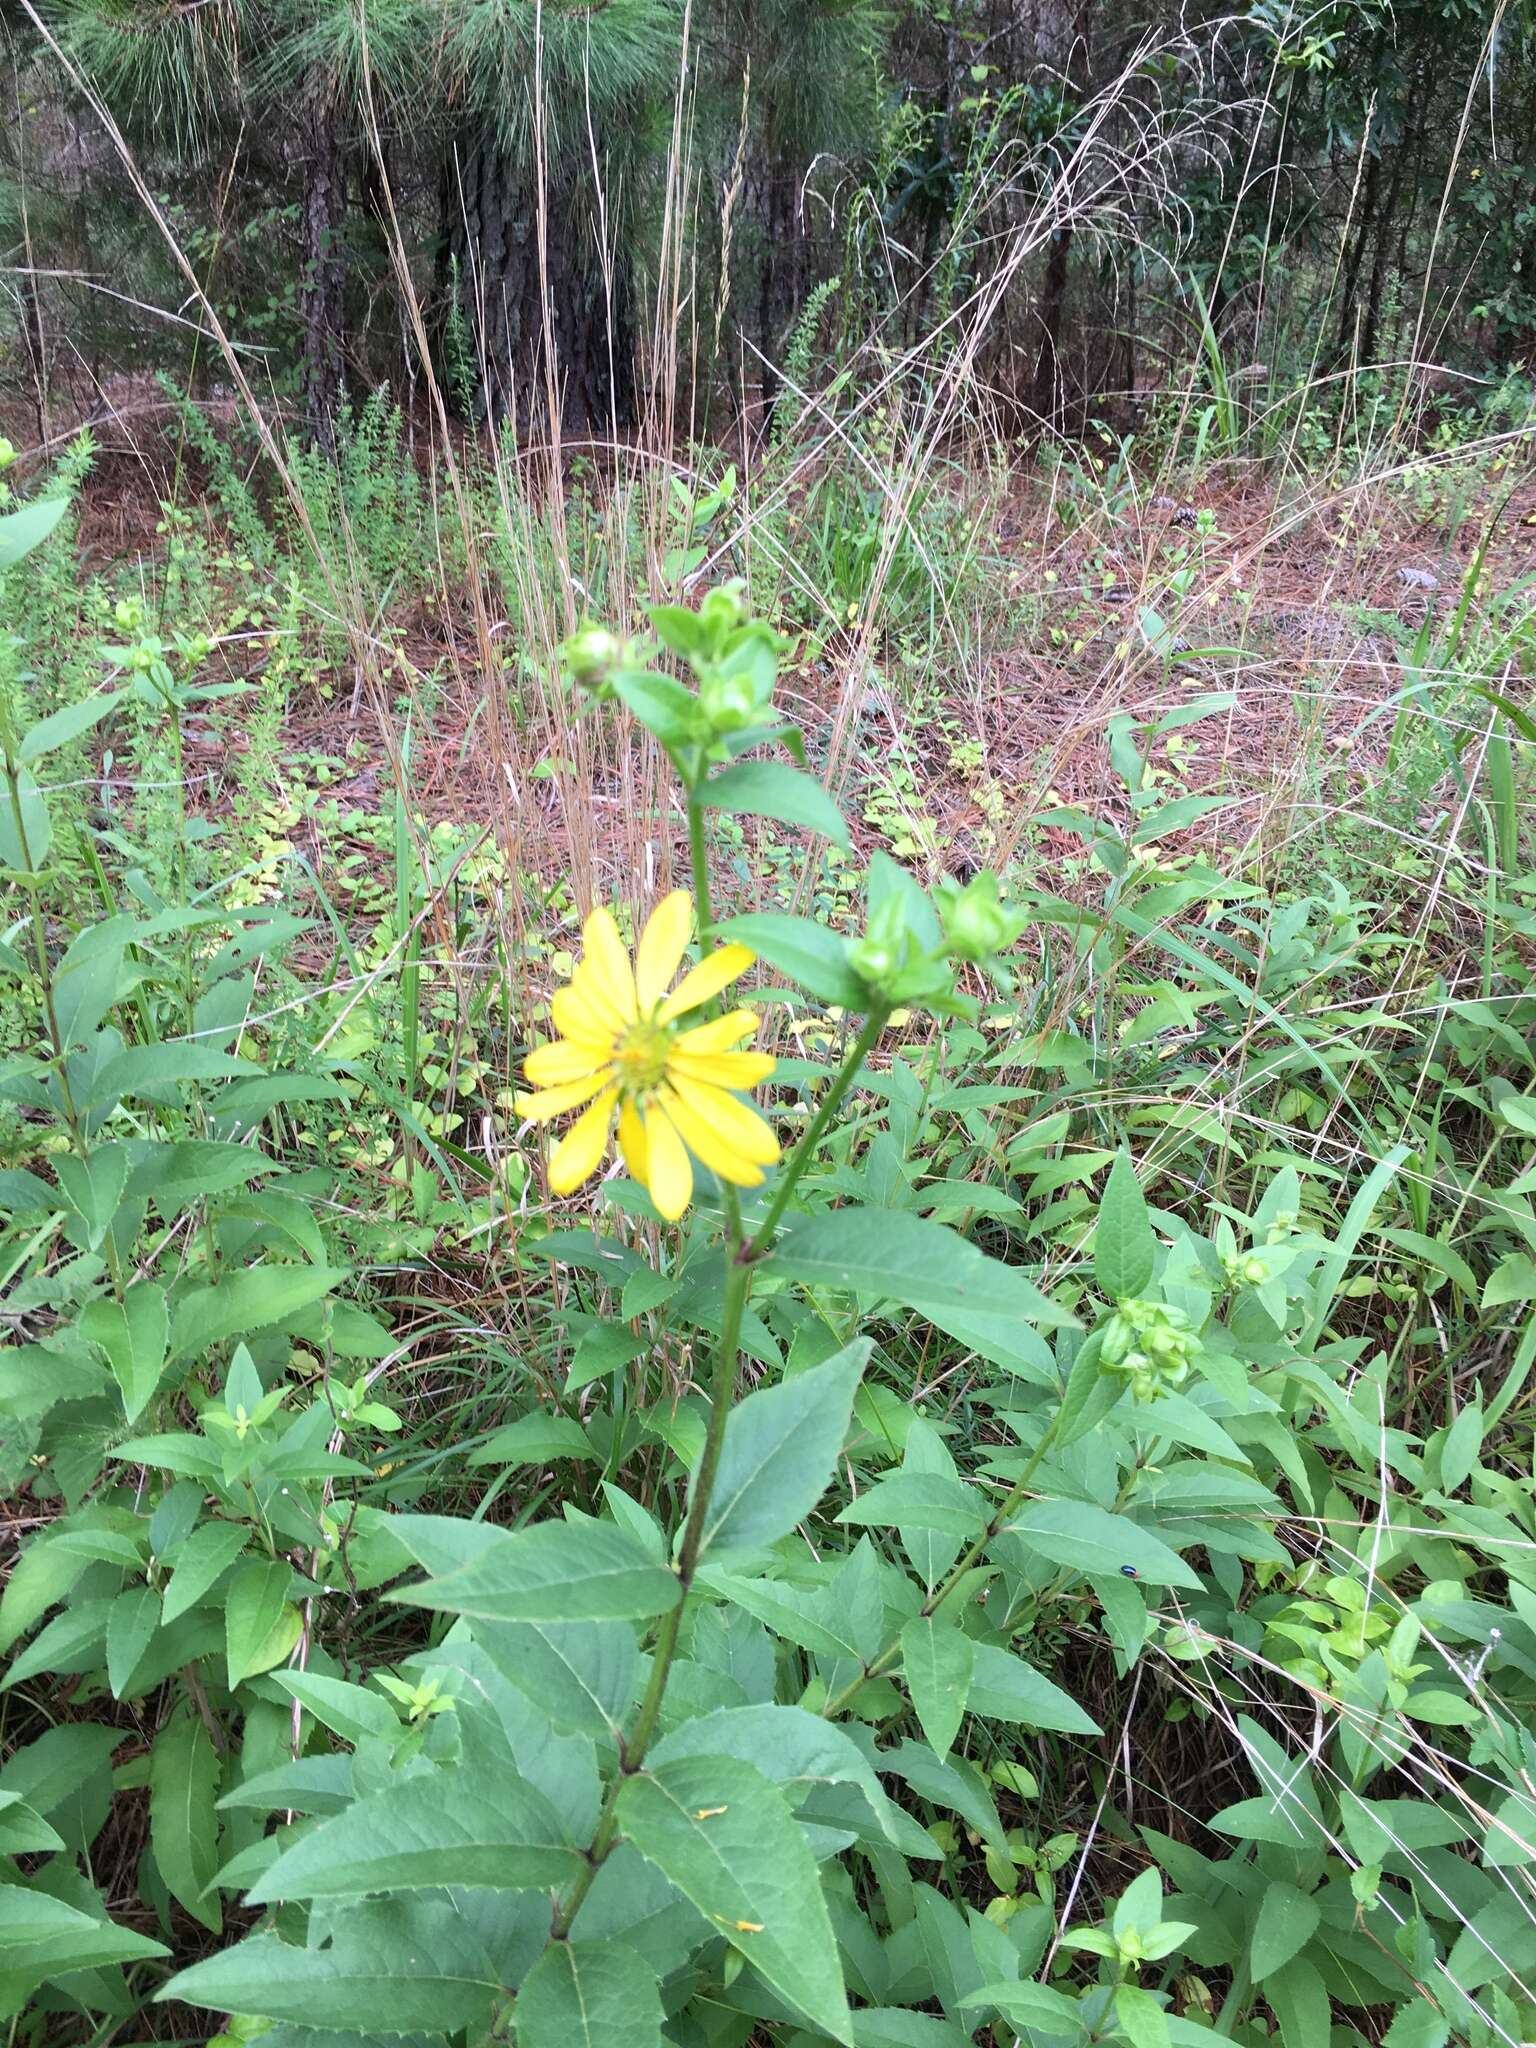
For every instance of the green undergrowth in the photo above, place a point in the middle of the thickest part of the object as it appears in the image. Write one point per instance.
(1089, 1597)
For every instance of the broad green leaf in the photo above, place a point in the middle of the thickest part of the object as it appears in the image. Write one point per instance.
(23, 1831)
(350, 1711)
(1298, 1998)
(589, 1994)
(920, 1500)
(886, 1255)
(1030, 2005)
(771, 789)
(175, 1451)
(184, 1775)
(23, 530)
(1286, 1921)
(725, 1837)
(253, 1617)
(937, 1661)
(254, 1299)
(1124, 1248)
(175, 1177)
(395, 1966)
(535, 1439)
(64, 725)
(781, 1447)
(133, 1334)
(1142, 2020)
(1090, 1539)
(1463, 1441)
(803, 951)
(793, 1747)
(1005, 1688)
(130, 1629)
(581, 1673)
(199, 1562)
(1512, 1279)
(954, 1784)
(155, 1072)
(452, 1827)
(554, 1571)
(24, 842)
(41, 1936)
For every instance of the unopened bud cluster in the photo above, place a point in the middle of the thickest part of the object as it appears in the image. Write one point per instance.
(1151, 1344)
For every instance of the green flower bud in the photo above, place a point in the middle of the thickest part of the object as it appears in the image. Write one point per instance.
(591, 655)
(723, 609)
(729, 703)
(976, 923)
(7, 453)
(129, 614)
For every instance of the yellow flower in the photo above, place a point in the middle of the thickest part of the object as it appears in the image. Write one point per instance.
(625, 1052)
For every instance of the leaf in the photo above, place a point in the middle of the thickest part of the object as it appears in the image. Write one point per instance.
(581, 1673)
(130, 1629)
(536, 1439)
(350, 1711)
(397, 1966)
(450, 1827)
(1512, 1279)
(770, 789)
(1286, 1921)
(1298, 1998)
(589, 1994)
(883, 1254)
(255, 1299)
(804, 952)
(1459, 1452)
(780, 1449)
(1030, 2005)
(937, 1662)
(24, 845)
(920, 1500)
(554, 1571)
(725, 1837)
(183, 1821)
(1090, 1539)
(41, 1936)
(133, 1334)
(1124, 1248)
(796, 1749)
(253, 1614)
(199, 1562)
(174, 1177)
(28, 528)
(64, 725)
(1005, 1688)
(23, 1831)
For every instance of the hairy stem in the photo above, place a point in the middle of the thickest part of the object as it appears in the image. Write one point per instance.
(815, 1130)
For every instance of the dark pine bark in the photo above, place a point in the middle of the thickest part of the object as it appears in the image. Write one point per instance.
(322, 294)
(578, 344)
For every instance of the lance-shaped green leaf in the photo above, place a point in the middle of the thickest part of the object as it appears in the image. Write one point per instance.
(183, 1822)
(781, 1445)
(41, 1936)
(589, 1994)
(771, 789)
(1124, 1248)
(394, 1966)
(133, 1334)
(554, 1571)
(725, 1837)
(886, 1255)
(937, 1661)
(1090, 1539)
(452, 1827)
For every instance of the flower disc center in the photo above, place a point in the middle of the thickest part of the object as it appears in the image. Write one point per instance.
(641, 1054)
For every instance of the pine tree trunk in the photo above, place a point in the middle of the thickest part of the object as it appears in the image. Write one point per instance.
(323, 289)
(494, 243)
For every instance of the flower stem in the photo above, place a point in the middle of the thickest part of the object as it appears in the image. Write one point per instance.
(632, 1749)
(815, 1130)
(1007, 1506)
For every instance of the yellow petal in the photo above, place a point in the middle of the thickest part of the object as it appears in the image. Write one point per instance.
(705, 1143)
(577, 1015)
(632, 1141)
(724, 1069)
(606, 964)
(661, 948)
(548, 1102)
(706, 980)
(737, 1126)
(563, 1059)
(668, 1173)
(720, 1033)
(580, 1151)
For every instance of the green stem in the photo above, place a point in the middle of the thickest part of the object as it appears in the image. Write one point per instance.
(800, 1158)
(1009, 1505)
(634, 1745)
